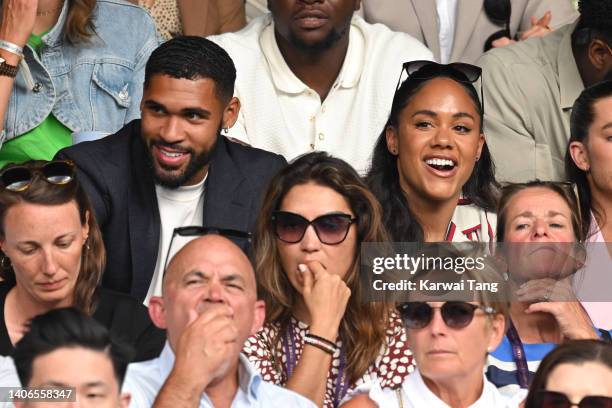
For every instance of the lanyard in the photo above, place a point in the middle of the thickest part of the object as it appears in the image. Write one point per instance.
(518, 355)
(289, 348)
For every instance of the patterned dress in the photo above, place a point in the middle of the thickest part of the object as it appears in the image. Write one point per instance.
(392, 365)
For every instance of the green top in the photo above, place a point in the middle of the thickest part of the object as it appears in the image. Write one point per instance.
(42, 142)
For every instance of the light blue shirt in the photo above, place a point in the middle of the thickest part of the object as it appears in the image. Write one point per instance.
(95, 85)
(145, 379)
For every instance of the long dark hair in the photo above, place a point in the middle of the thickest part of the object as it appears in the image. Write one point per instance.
(363, 325)
(583, 115)
(571, 352)
(43, 193)
(383, 177)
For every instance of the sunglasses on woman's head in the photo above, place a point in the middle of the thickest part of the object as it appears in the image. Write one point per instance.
(20, 178)
(553, 399)
(458, 71)
(456, 315)
(331, 229)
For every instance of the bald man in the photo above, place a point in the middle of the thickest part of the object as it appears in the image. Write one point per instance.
(209, 307)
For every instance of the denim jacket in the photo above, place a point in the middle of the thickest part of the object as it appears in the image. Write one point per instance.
(91, 86)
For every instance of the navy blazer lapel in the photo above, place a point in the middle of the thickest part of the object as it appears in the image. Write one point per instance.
(143, 218)
(227, 197)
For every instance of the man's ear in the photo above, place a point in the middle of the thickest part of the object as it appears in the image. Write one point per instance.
(579, 155)
(157, 312)
(230, 113)
(259, 316)
(598, 53)
(391, 136)
(124, 400)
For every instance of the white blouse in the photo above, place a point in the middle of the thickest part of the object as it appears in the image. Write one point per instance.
(415, 394)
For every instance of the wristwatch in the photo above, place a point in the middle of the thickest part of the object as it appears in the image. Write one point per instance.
(7, 69)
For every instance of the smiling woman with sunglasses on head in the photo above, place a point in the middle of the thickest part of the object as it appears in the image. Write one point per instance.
(431, 169)
(53, 256)
(575, 374)
(321, 339)
(450, 341)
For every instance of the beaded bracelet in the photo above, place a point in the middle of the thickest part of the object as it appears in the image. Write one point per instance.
(323, 339)
(321, 345)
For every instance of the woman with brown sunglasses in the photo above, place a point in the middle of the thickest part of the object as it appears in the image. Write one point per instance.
(321, 338)
(52, 256)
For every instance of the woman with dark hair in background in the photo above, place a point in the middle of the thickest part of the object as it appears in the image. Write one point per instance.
(588, 164)
(540, 227)
(431, 168)
(577, 373)
(68, 66)
(321, 336)
(52, 256)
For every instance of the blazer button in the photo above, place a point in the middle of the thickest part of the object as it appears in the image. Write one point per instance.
(37, 87)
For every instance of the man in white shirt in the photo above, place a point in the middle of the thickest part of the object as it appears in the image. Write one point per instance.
(209, 308)
(314, 76)
(172, 168)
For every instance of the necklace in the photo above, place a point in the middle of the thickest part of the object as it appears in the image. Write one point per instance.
(48, 12)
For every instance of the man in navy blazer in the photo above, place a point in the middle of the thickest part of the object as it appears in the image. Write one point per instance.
(173, 167)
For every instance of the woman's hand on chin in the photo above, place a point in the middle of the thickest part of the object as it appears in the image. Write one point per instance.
(574, 322)
(546, 290)
(326, 296)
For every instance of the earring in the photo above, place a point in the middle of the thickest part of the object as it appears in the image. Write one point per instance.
(225, 130)
(477, 158)
(86, 244)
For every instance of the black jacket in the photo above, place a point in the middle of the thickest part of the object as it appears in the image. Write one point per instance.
(115, 174)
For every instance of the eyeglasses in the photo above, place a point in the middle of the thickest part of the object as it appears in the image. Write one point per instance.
(331, 229)
(553, 399)
(456, 315)
(20, 178)
(458, 71)
(195, 230)
(499, 12)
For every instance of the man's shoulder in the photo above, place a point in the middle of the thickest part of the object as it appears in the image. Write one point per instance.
(114, 148)
(270, 394)
(246, 38)
(535, 53)
(252, 158)
(143, 381)
(382, 31)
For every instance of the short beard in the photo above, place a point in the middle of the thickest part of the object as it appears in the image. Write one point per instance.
(325, 44)
(195, 164)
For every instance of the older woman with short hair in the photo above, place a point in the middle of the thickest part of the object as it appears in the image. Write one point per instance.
(450, 341)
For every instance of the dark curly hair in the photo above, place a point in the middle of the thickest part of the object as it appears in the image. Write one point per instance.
(595, 21)
(193, 57)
